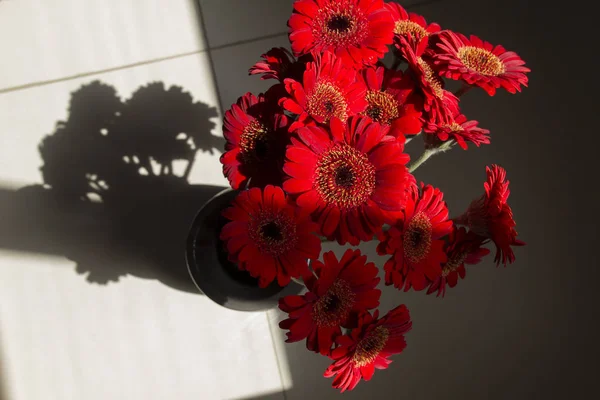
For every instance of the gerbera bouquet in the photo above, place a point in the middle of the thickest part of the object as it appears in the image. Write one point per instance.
(320, 157)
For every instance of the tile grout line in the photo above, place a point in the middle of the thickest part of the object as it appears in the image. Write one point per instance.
(98, 72)
(283, 389)
(167, 58)
(209, 55)
(135, 64)
(220, 100)
(246, 41)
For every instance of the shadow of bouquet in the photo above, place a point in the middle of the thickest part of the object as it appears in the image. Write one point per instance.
(116, 198)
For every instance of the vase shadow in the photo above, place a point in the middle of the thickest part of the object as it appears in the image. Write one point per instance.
(116, 198)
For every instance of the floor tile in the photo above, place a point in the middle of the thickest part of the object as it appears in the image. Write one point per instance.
(232, 64)
(41, 40)
(95, 300)
(230, 21)
(29, 115)
(63, 338)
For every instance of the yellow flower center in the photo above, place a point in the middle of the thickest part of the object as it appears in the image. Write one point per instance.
(334, 307)
(326, 101)
(404, 27)
(344, 177)
(254, 141)
(417, 237)
(370, 346)
(272, 233)
(454, 261)
(481, 60)
(453, 127)
(435, 82)
(340, 25)
(382, 107)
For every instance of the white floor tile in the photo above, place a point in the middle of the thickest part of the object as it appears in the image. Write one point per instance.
(28, 115)
(42, 40)
(63, 338)
(85, 314)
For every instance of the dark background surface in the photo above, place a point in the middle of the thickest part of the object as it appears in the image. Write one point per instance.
(527, 331)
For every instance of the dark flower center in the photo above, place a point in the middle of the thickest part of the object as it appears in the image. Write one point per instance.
(271, 231)
(417, 237)
(339, 23)
(333, 308)
(370, 346)
(261, 149)
(328, 106)
(374, 112)
(333, 304)
(344, 177)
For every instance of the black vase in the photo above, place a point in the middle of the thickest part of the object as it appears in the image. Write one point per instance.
(214, 275)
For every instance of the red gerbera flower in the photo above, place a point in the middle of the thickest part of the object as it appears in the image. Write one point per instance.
(415, 242)
(346, 176)
(463, 248)
(278, 63)
(256, 135)
(335, 296)
(490, 216)
(440, 104)
(368, 347)
(328, 90)
(479, 63)
(461, 130)
(389, 101)
(268, 236)
(358, 31)
(412, 24)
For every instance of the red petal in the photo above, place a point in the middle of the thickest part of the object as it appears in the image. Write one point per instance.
(332, 220)
(367, 371)
(308, 8)
(297, 185)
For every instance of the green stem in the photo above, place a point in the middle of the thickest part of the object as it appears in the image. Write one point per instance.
(427, 153)
(424, 157)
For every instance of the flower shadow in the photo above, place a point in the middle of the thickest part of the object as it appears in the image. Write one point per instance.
(116, 198)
